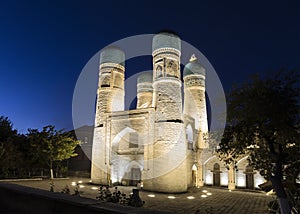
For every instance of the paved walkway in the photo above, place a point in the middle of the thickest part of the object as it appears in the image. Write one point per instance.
(205, 199)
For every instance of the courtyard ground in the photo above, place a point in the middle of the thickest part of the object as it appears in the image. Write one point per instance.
(204, 199)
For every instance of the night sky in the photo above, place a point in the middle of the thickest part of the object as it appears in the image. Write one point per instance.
(44, 45)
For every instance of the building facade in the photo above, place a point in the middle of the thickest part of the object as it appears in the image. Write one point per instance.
(163, 142)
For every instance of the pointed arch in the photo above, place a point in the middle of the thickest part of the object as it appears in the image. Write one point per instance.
(242, 159)
(120, 135)
(133, 164)
(209, 159)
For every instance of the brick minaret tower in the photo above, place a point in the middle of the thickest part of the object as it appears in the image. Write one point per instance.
(167, 171)
(110, 98)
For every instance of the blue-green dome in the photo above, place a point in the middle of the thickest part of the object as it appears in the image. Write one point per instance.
(146, 77)
(166, 40)
(193, 68)
(112, 55)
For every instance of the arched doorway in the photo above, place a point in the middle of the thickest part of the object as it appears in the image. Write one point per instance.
(135, 176)
(194, 175)
(216, 175)
(249, 177)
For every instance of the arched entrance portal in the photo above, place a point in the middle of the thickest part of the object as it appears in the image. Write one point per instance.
(135, 176)
(216, 175)
(249, 177)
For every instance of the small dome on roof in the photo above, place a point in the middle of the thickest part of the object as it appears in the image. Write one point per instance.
(166, 40)
(112, 54)
(193, 67)
(146, 77)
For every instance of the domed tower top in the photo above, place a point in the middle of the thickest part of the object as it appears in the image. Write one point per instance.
(166, 40)
(112, 54)
(193, 67)
(144, 90)
(146, 77)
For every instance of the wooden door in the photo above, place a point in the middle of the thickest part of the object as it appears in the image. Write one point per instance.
(249, 181)
(216, 175)
(249, 177)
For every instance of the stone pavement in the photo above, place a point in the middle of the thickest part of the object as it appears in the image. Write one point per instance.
(204, 199)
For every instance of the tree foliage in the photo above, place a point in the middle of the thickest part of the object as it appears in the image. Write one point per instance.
(20, 155)
(9, 155)
(52, 145)
(7, 131)
(263, 122)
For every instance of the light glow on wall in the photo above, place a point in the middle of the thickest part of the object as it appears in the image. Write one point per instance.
(190, 197)
(203, 196)
(224, 178)
(208, 177)
(114, 179)
(171, 197)
(194, 167)
(94, 188)
(151, 196)
(258, 179)
(241, 180)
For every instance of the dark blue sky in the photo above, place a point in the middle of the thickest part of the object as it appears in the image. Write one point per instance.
(45, 44)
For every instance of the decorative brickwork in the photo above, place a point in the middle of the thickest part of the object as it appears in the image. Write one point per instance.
(158, 143)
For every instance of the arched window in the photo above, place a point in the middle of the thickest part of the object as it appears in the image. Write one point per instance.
(118, 81)
(189, 136)
(105, 81)
(216, 167)
(159, 71)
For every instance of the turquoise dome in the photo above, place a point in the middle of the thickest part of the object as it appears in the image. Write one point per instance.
(193, 68)
(146, 77)
(166, 40)
(112, 55)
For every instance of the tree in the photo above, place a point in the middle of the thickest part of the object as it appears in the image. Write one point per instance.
(6, 128)
(9, 155)
(263, 122)
(51, 145)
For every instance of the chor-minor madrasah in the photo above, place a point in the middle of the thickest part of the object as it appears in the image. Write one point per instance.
(163, 142)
